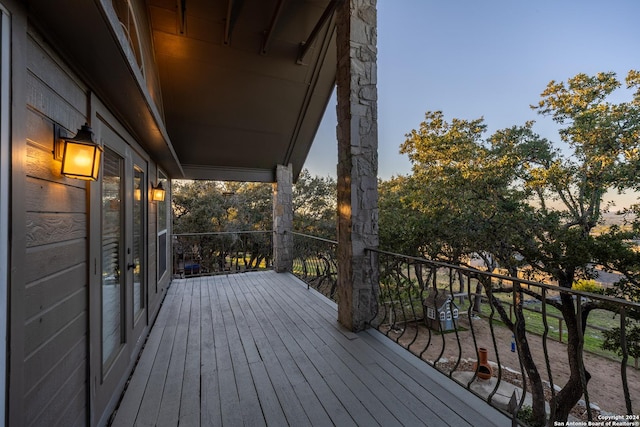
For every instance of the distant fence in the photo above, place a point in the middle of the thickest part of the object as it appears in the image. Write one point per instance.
(201, 254)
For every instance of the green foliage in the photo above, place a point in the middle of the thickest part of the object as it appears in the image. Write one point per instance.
(616, 251)
(516, 198)
(210, 207)
(459, 199)
(213, 206)
(632, 334)
(404, 228)
(588, 285)
(525, 414)
(314, 206)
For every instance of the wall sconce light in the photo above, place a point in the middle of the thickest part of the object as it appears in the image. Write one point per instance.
(80, 155)
(157, 193)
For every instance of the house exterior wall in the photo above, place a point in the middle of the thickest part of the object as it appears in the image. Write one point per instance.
(54, 273)
(49, 313)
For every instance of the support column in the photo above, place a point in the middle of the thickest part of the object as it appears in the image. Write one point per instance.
(357, 131)
(283, 219)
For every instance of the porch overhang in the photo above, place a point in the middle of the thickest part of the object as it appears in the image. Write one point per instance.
(244, 83)
(239, 99)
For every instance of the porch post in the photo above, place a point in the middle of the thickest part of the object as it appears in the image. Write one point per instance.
(357, 161)
(283, 219)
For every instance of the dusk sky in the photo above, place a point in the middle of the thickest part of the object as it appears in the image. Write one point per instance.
(490, 59)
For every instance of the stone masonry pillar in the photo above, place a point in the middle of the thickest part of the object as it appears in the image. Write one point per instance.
(283, 219)
(357, 162)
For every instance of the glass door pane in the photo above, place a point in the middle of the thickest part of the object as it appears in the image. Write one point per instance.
(112, 279)
(138, 240)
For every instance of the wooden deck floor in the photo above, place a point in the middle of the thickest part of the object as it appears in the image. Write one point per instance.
(260, 349)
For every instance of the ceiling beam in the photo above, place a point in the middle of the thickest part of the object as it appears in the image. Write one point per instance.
(272, 25)
(326, 15)
(233, 12)
(182, 17)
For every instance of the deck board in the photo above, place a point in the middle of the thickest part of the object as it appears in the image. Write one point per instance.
(147, 413)
(189, 411)
(209, 399)
(323, 359)
(352, 373)
(128, 408)
(261, 349)
(386, 383)
(287, 379)
(169, 410)
(304, 375)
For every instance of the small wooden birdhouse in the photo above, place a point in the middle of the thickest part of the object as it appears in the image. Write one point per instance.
(441, 313)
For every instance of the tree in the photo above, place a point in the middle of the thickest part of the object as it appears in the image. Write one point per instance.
(214, 207)
(603, 138)
(465, 196)
(462, 192)
(520, 199)
(398, 198)
(314, 205)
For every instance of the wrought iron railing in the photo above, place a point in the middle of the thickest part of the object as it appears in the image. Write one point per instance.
(315, 262)
(198, 254)
(452, 317)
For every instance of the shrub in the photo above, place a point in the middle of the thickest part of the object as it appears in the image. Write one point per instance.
(588, 286)
(525, 414)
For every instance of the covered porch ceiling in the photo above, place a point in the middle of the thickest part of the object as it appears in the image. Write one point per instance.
(244, 82)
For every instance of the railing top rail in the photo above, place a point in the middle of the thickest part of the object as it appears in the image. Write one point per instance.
(314, 237)
(473, 271)
(208, 233)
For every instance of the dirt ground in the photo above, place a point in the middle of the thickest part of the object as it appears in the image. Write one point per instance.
(604, 389)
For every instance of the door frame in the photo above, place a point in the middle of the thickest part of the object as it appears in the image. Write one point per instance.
(107, 385)
(139, 320)
(5, 168)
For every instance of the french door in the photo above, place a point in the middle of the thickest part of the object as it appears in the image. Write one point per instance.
(122, 297)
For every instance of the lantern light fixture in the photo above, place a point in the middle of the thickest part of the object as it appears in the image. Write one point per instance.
(157, 193)
(80, 155)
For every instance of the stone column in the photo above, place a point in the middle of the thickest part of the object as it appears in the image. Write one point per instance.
(283, 219)
(357, 162)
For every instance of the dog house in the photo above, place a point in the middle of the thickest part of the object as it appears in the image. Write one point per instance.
(441, 313)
